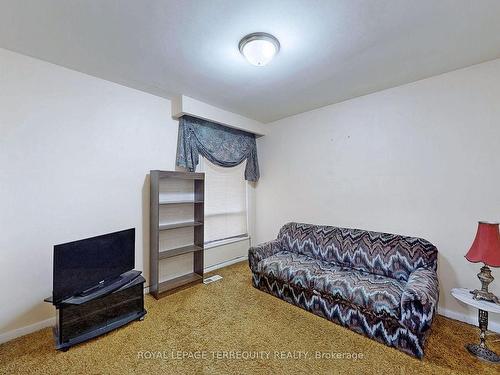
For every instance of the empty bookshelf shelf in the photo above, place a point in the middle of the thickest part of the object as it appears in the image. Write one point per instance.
(179, 225)
(180, 202)
(179, 282)
(179, 251)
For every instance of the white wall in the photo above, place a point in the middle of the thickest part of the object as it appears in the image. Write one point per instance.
(74, 155)
(421, 159)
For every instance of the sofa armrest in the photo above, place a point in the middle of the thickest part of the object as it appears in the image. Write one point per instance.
(262, 251)
(419, 300)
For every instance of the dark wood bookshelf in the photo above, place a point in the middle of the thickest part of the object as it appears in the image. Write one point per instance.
(158, 288)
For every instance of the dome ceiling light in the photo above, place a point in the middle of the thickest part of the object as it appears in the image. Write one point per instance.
(259, 48)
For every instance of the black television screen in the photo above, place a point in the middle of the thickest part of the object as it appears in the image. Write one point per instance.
(83, 264)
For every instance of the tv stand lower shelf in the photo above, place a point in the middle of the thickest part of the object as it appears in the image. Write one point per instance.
(82, 322)
(64, 346)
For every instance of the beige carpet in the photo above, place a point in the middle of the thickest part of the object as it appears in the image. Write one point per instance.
(228, 323)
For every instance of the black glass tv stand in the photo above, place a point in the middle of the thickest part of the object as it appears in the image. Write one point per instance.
(82, 317)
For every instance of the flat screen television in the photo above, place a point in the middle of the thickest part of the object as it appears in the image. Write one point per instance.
(84, 264)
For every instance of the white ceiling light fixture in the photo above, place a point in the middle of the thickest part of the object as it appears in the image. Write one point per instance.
(259, 48)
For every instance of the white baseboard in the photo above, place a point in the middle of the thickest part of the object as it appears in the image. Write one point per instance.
(226, 263)
(470, 319)
(4, 337)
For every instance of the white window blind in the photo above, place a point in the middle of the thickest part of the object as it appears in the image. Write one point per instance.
(225, 201)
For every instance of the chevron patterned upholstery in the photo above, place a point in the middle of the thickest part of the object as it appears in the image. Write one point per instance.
(381, 285)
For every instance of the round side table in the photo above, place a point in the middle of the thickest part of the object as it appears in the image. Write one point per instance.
(479, 350)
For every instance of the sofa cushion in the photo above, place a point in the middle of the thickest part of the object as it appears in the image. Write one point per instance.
(380, 294)
(296, 269)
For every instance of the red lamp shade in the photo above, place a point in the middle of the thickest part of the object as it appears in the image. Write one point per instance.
(486, 245)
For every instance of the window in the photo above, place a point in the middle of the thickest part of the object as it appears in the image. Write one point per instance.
(225, 201)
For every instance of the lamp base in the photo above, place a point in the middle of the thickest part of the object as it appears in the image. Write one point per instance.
(482, 352)
(485, 296)
(486, 279)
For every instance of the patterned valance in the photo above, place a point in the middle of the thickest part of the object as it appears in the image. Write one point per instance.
(221, 145)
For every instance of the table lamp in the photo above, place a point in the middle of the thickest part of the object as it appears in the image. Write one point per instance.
(485, 249)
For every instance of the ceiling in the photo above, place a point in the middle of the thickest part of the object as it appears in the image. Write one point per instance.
(331, 50)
